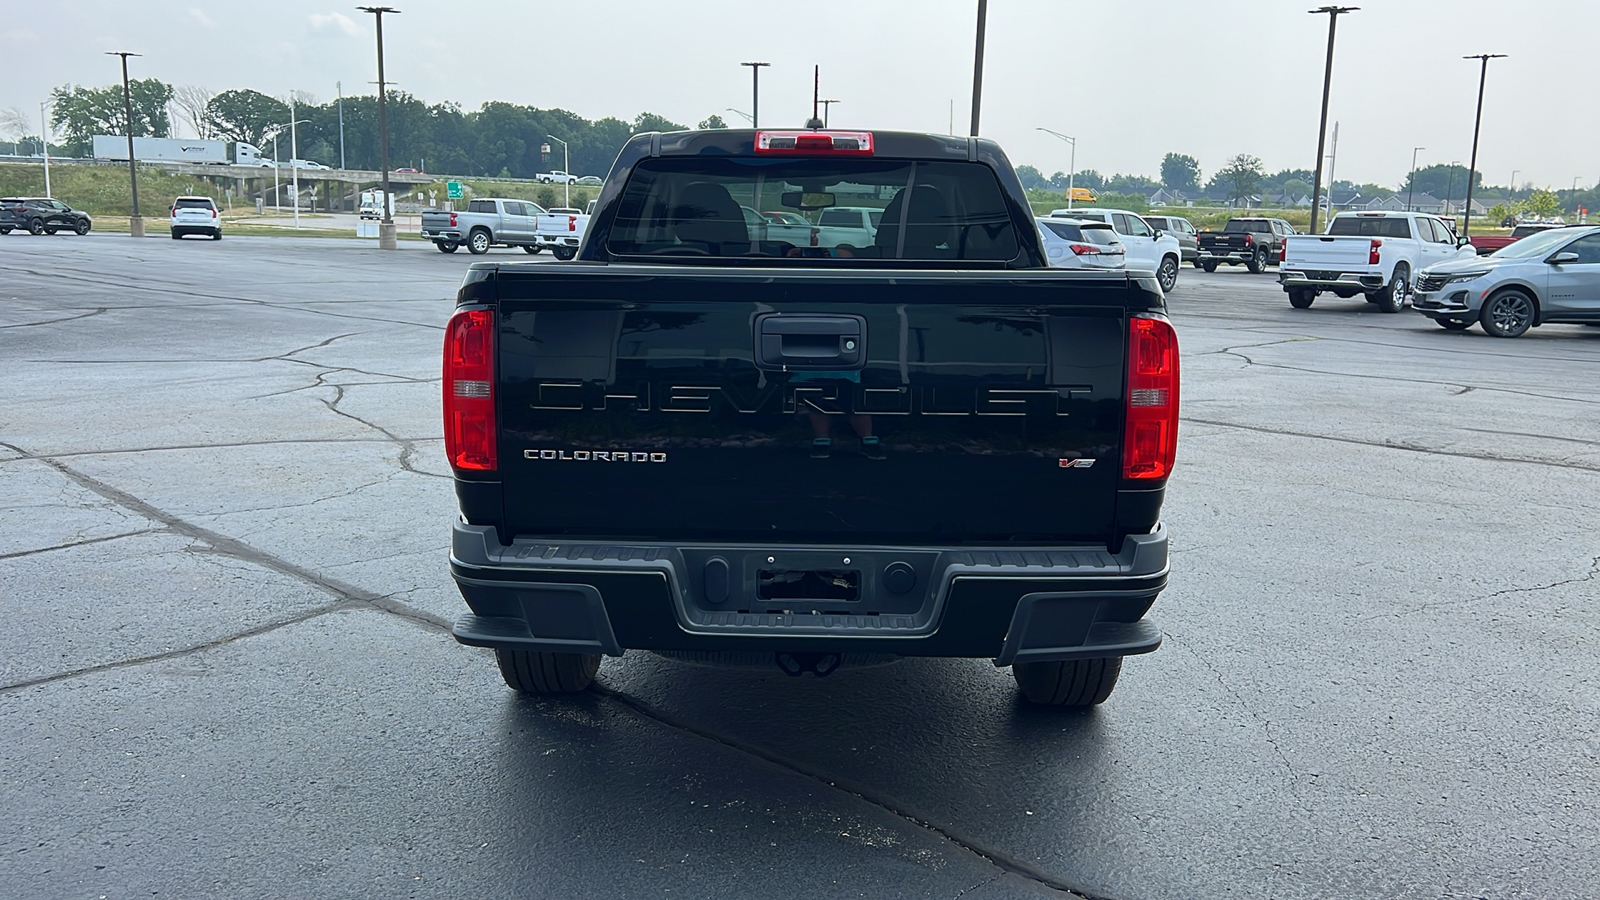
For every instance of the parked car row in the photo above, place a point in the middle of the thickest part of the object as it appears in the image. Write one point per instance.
(1145, 247)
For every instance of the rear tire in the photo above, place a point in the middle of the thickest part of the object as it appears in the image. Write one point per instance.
(478, 241)
(1209, 266)
(1195, 263)
(176, 236)
(563, 253)
(1509, 313)
(1167, 273)
(81, 229)
(4, 231)
(36, 227)
(1393, 298)
(216, 235)
(51, 229)
(447, 246)
(1301, 298)
(532, 672)
(1258, 262)
(1075, 682)
(531, 249)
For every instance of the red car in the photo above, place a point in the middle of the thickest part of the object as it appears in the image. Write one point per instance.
(1489, 243)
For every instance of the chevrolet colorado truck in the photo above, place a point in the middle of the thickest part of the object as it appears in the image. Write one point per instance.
(1376, 254)
(1252, 243)
(725, 449)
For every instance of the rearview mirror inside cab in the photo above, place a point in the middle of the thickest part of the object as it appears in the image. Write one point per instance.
(806, 201)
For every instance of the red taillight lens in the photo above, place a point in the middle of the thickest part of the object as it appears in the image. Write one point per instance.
(1249, 240)
(1283, 252)
(1372, 254)
(213, 214)
(1085, 250)
(807, 143)
(452, 220)
(470, 426)
(1150, 445)
(572, 223)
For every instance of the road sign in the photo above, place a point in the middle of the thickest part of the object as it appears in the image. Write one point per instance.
(454, 189)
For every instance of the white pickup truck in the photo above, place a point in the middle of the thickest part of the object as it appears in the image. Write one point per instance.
(1373, 253)
(486, 223)
(556, 177)
(561, 232)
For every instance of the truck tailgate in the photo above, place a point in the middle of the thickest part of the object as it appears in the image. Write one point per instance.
(1331, 252)
(677, 403)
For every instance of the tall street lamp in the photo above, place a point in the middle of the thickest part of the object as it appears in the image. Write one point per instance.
(339, 86)
(826, 104)
(1450, 190)
(1072, 175)
(755, 91)
(1333, 13)
(977, 65)
(1411, 185)
(1483, 76)
(566, 166)
(44, 138)
(743, 113)
(136, 223)
(386, 235)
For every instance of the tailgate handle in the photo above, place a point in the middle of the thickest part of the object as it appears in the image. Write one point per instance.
(787, 341)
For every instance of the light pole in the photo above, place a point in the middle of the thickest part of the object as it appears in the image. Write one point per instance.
(1450, 191)
(755, 91)
(44, 138)
(294, 160)
(826, 104)
(136, 222)
(977, 65)
(1411, 184)
(743, 113)
(1072, 175)
(1483, 76)
(339, 86)
(1333, 13)
(566, 166)
(386, 236)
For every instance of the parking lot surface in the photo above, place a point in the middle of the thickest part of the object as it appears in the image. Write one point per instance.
(226, 668)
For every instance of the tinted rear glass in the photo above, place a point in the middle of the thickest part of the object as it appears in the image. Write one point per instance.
(1371, 227)
(690, 207)
(188, 203)
(1238, 226)
(1522, 231)
(1064, 231)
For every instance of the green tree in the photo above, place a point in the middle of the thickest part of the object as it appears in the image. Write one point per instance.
(1544, 204)
(1131, 184)
(246, 115)
(1241, 176)
(1296, 188)
(712, 121)
(1030, 177)
(1088, 178)
(80, 113)
(647, 121)
(1441, 181)
(1180, 172)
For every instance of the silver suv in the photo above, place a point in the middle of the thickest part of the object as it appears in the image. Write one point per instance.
(1552, 277)
(196, 215)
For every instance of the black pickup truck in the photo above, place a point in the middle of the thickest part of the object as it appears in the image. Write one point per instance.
(1254, 243)
(724, 449)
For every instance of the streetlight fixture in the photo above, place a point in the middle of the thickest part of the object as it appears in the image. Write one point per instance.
(743, 113)
(1411, 184)
(566, 165)
(977, 65)
(1072, 175)
(1483, 76)
(825, 105)
(755, 91)
(1333, 13)
(136, 222)
(386, 235)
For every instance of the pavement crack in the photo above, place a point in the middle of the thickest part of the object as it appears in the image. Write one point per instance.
(83, 543)
(1265, 723)
(86, 315)
(1392, 445)
(866, 793)
(1591, 575)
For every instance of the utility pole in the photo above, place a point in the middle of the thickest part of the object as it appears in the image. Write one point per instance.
(826, 104)
(1333, 13)
(136, 222)
(1411, 183)
(755, 91)
(386, 235)
(1483, 76)
(1333, 159)
(294, 159)
(1072, 175)
(977, 65)
(339, 86)
(44, 138)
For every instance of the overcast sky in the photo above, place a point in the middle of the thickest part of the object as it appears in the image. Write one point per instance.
(1131, 79)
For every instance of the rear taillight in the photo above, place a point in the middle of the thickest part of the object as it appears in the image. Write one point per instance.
(470, 427)
(1283, 252)
(452, 220)
(1372, 253)
(808, 143)
(572, 223)
(1249, 240)
(213, 214)
(1150, 445)
(1085, 250)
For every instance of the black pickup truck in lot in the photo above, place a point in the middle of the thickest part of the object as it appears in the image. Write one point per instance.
(1253, 243)
(725, 449)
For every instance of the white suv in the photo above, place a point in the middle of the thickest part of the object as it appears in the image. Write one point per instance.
(1148, 248)
(196, 215)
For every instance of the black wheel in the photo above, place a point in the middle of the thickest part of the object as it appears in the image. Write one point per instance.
(1195, 263)
(1209, 266)
(1078, 682)
(547, 673)
(564, 252)
(5, 231)
(82, 228)
(1258, 261)
(478, 241)
(1393, 298)
(1300, 298)
(447, 246)
(216, 235)
(176, 236)
(531, 249)
(51, 229)
(1453, 324)
(1509, 313)
(36, 226)
(1167, 273)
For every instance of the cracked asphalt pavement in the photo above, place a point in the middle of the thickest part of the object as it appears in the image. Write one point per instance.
(226, 667)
